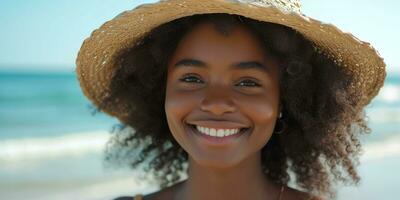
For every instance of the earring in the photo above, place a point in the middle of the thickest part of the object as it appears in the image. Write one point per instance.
(280, 125)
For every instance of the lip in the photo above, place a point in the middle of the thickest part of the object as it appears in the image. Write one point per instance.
(216, 141)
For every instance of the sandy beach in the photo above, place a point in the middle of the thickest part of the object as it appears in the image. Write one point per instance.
(71, 175)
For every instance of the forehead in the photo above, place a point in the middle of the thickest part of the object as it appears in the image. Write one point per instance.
(206, 43)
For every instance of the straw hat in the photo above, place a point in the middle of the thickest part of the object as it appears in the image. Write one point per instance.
(98, 57)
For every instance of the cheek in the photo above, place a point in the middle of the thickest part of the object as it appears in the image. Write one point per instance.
(263, 113)
(262, 109)
(177, 107)
(266, 109)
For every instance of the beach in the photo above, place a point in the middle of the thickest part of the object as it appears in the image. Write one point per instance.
(52, 145)
(67, 174)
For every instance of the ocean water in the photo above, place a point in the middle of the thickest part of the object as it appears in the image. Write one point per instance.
(50, 141)
(43, 105)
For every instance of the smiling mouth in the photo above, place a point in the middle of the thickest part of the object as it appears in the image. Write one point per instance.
(216, 134)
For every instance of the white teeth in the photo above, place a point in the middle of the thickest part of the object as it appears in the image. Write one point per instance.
(220, 133)
(227, 132)
(216, 132)
(213, 132)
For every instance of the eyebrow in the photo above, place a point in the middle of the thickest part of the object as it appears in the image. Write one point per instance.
(240, 65)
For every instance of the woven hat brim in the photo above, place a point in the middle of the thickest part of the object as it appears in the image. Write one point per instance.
(98, 57)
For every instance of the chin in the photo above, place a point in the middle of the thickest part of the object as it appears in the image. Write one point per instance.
(216, 162)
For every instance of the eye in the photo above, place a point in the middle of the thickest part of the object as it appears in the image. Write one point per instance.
(249, 83)
(191, 79)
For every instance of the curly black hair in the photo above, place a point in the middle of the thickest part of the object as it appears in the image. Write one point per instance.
(320, 145)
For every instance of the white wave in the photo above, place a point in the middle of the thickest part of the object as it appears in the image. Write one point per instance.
(384, 115)
(389, 147)
(13, 150)
(390, 93)
(30, 149)
(104, 190)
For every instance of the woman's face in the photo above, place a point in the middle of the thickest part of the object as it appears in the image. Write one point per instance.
(225, 83)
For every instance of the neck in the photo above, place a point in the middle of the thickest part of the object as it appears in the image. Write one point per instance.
(237, 182)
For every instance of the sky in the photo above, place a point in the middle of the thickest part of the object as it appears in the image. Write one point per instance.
(47, 34)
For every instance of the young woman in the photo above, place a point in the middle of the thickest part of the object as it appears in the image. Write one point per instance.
(239, 97)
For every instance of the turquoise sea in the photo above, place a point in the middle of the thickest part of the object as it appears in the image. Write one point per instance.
(51, 143)
(39, 104)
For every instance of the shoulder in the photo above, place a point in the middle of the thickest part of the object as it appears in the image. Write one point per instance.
(152, 196)
(131, 197)
(294, 194)
(166, 193)
(316, 198)
(123, 198)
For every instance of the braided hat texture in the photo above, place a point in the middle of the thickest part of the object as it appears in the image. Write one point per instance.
(98, 57)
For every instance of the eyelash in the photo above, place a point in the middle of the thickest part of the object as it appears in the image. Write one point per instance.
(255, 84)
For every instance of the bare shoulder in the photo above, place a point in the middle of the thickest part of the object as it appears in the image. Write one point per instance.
(152, 196)
(166, 193)
(158, 195)
(294, 194)
(289, 194)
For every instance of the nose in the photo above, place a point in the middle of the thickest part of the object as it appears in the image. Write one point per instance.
(218, 101)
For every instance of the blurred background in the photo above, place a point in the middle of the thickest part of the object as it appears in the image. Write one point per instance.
(51, 145)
